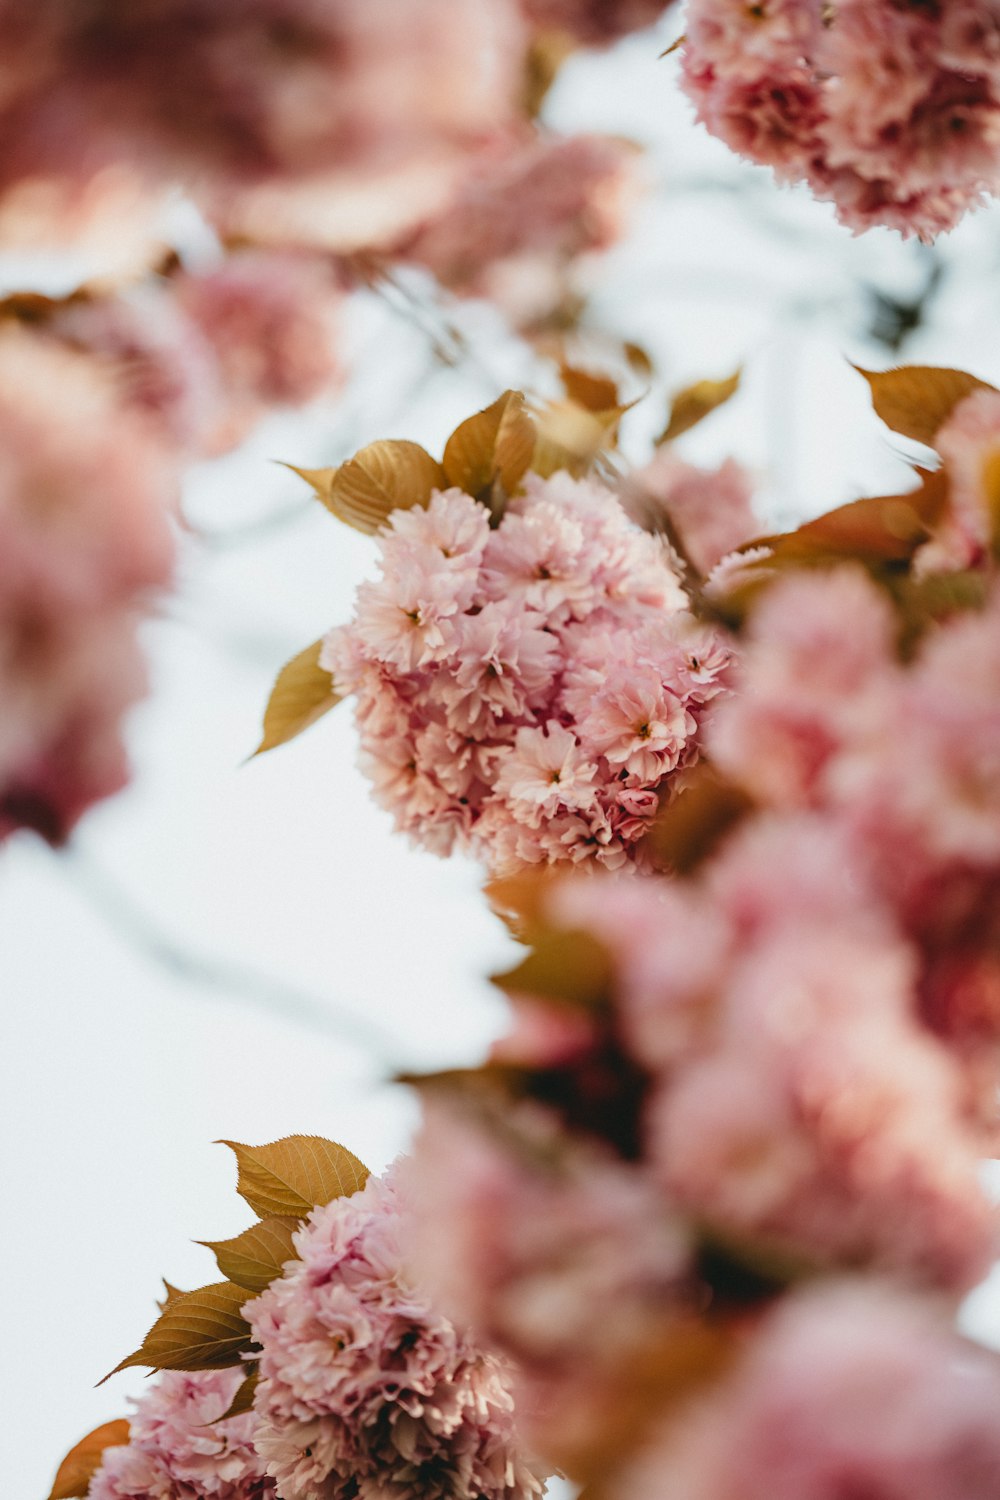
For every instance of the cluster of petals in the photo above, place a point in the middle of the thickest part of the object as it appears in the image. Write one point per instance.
(204, 354)
(177, 1449)
(796, 1099)
(522, 1231)
(708, 513)
(846, 1390)
(524, 210)
(85, 494)
(890, 109)
(902, 759)
(366, 1389)
(969, 445)
(247, 90)
(524, 692)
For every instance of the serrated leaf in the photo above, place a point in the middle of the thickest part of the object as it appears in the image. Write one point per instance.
(170, 1294)
(200, 1330)
(691, 405)
(296, 1174)
(302, 694)
(386, 476)
(82, 1462)
(916, 400)
(243, 1400)
(254, 1258)
(569, 967)
(493, 447)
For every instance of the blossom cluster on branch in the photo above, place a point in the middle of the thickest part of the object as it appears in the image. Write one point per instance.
(888, 108)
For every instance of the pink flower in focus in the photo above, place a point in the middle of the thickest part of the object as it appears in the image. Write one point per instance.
(365, 1387)
(175, 1452)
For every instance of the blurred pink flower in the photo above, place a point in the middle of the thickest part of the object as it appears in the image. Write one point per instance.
(711, 509)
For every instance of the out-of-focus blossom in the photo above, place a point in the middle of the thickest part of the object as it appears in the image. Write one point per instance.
(365, 1388)
(523, 1232)
(710, 510)
(176, 1452)
(524, 692)
(249, 90)
(525, 210)
(891, 111)
(847, 1390)
(84, 498)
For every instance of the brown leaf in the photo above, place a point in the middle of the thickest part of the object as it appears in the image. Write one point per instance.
(691, 405)
(170, 1294)
(82, 1462)
(571, 438)
(546, 54)
(200, 1330)
(254, 1258)
(695, 820)
(385, 476)
(639, 360)
(570, 967)
(320, 480)
(883, 529)
(917, 400)
(302, 694)
(493, 447)
(243, 1400)
(991, 495)
(595, 393)
(296, 1174)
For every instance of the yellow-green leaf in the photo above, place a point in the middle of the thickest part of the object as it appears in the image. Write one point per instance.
(302, 694)
(494, 446)
(385, 476)
(294, 1175)
(691, 405)
(243, 1400)
(201, 1330)
(917, 400)
(82, 1462)
(254, 1258)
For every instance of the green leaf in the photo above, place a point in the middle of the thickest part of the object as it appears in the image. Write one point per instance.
(82, 1462)
(254, 1258)
(302, 694)
(200, 1330)
(492, 448)
(916, 400)
(691, 405)
(296, 1174)
(385, 476)
(243, 1400)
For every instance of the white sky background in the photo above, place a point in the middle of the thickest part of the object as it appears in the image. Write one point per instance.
(119, 1068)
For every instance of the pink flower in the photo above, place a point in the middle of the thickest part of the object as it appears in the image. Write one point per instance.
(365, 1387)
(847, 1389)
(546, 771)
(175, 1451)
(710, 509)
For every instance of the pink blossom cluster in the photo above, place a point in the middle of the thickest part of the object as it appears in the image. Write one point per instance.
(522, 212)
(177, 1450)
(969, 445)
(888, 108)
(847, 1390)
(525, 692)
(206, 354)
(365, 1389)
(534, 1232)
(903, 761)
(248, 89)
(707, 512)
(85, 493)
